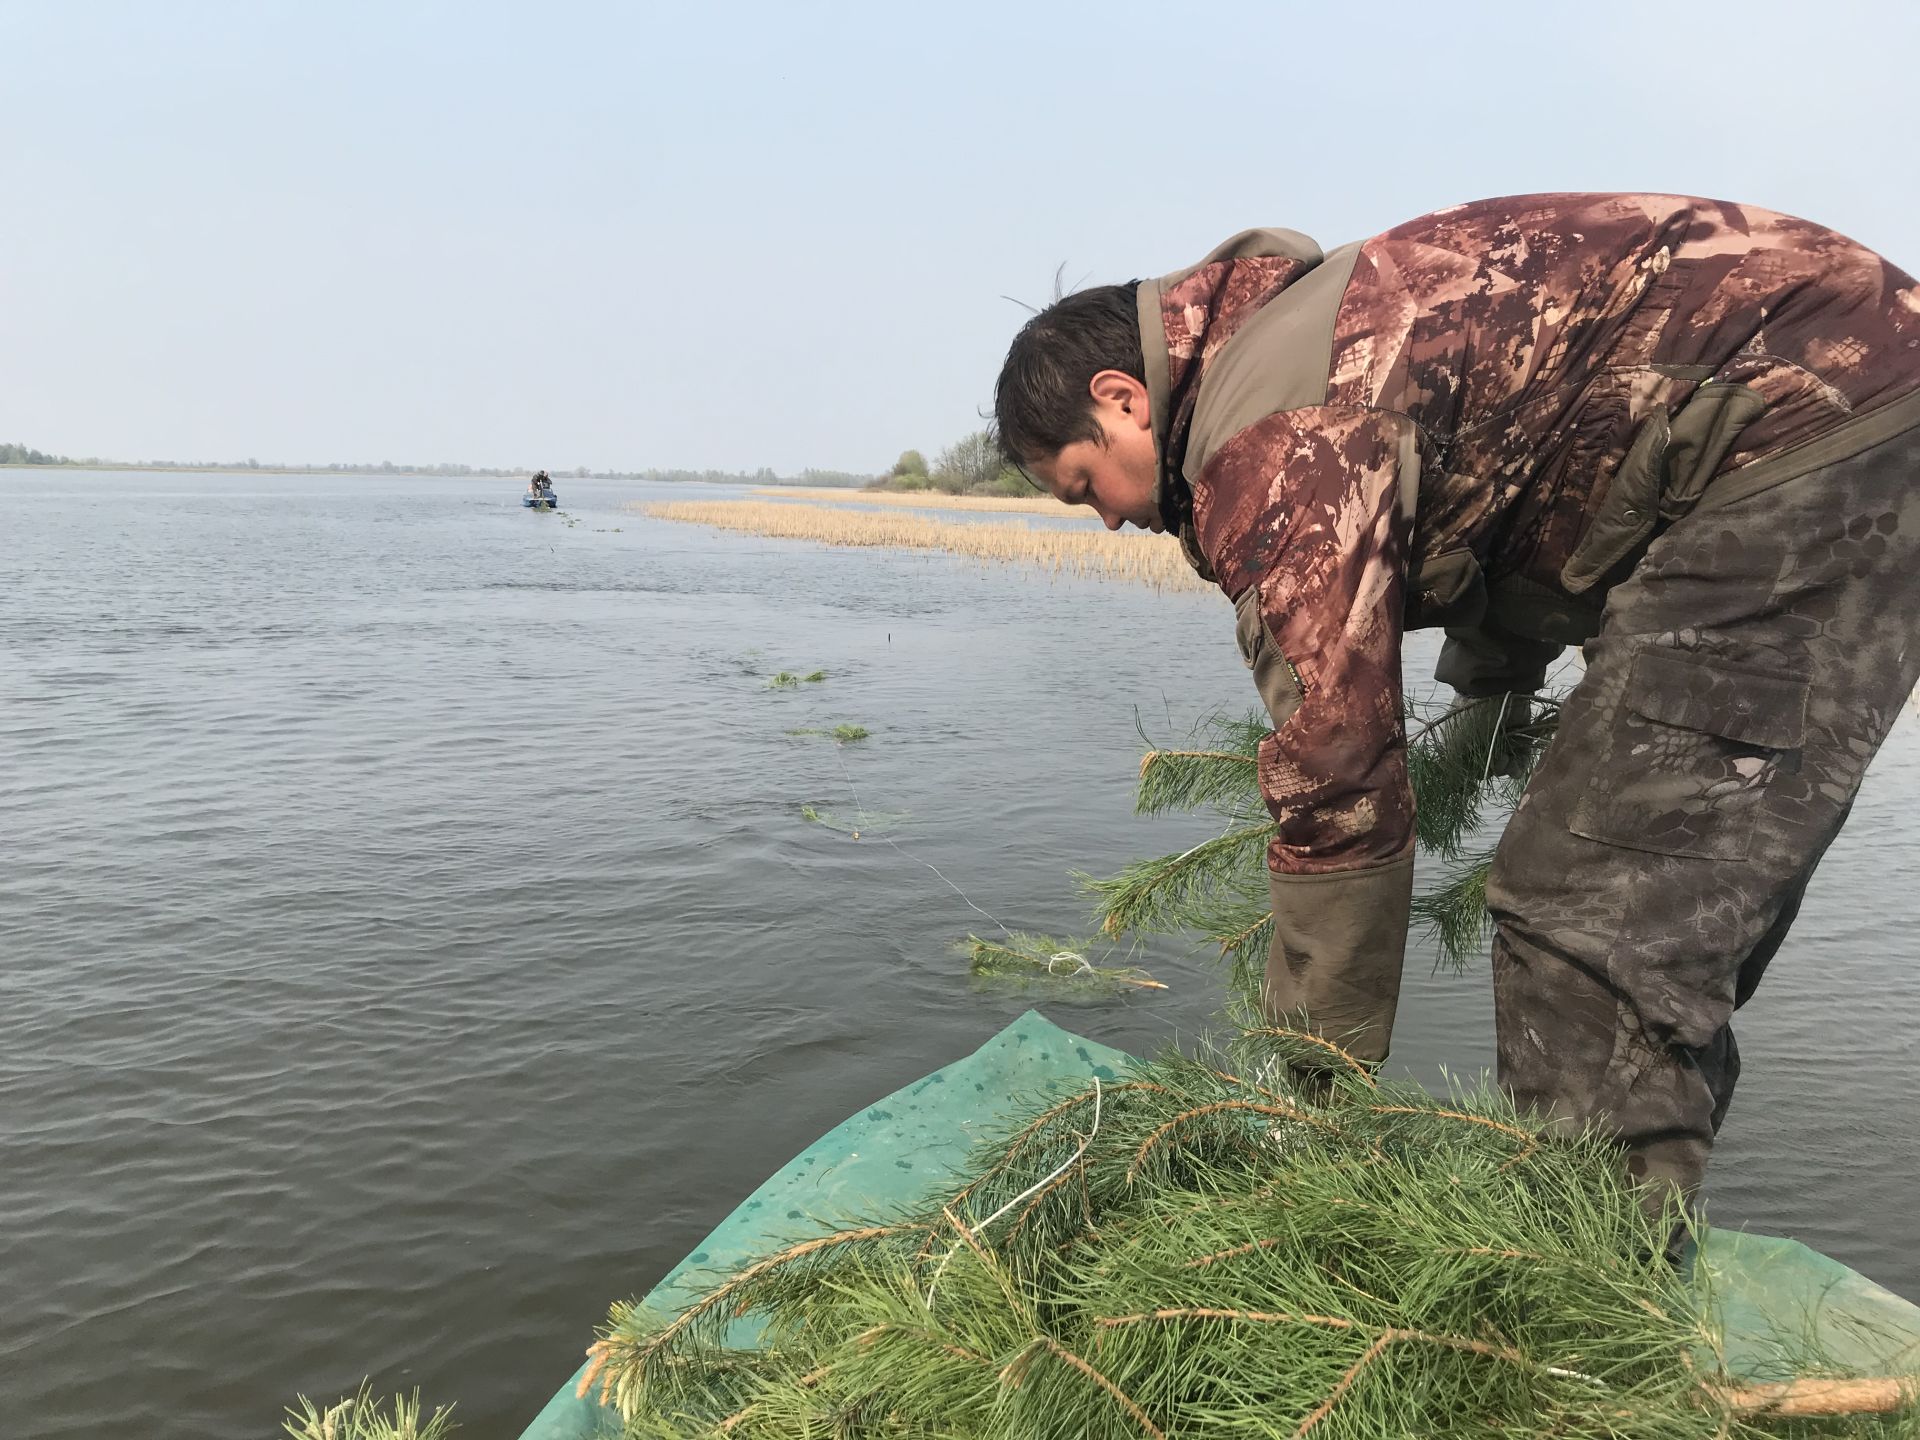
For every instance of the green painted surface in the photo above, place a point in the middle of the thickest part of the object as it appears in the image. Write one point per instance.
(1775, 1296)
(1770, 1292)
(884, 1156)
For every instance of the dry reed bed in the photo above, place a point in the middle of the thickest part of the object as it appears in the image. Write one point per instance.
(935, 500)
(1084, 554)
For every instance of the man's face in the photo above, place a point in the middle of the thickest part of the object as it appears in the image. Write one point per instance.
(1115, 479)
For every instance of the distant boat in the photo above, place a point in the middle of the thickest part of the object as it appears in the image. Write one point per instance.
(545, 500)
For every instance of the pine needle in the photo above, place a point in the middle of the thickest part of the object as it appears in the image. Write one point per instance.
(361, 1417)
(1455, 913)
(1169, 892)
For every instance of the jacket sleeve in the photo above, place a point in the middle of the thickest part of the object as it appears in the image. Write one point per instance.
(1308, 522)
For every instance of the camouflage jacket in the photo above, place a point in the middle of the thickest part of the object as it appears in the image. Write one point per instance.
(1477, 420)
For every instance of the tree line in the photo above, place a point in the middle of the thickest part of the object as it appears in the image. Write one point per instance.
(12, 454)
(972, 465)
(20, 455)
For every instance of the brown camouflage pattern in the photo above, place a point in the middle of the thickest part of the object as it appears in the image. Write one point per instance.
(1524, 340)
(1528, 337)
(1325, 543)
(1746, 674)
(1204, 311)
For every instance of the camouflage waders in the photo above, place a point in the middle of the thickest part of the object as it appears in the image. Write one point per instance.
(1744, 675)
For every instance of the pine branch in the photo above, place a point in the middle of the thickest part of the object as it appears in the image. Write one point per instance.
(1215, 768)
(1457, 760)
(361, 1417)
(1171, 893)
(1242, 926)
(1221, 780)
(1472, 756)
(1455, 912)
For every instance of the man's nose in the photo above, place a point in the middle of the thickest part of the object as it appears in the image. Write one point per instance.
(1112, 522)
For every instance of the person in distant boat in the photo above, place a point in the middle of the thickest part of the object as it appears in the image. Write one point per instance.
(540, 484)
(1681, 433)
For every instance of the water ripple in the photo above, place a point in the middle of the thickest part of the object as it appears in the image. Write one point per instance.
(414, 942)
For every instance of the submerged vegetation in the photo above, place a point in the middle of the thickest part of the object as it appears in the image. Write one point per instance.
(793, 680)
(845, 734)
(863, 822)
(1079, 552)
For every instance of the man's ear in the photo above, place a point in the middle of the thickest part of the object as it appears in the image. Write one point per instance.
(1123, 397)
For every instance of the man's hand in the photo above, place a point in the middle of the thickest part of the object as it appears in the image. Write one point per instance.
(1493, 728)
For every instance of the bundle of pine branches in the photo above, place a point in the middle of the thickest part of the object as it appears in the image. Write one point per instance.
(1467, 763)
(1200, 1250)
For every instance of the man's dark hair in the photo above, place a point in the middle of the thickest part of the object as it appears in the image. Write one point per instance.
(1040, 404)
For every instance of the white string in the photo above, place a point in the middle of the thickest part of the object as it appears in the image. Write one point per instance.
(1593, 1380)
(1494, 744)
(1038, 1185)
(908, 853)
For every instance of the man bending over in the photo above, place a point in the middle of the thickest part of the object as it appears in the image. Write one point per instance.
(1680, 433)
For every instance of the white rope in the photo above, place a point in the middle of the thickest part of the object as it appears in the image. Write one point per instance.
(1593, 1380)
(1493, 745)
(855, 789)
(1037, 1186)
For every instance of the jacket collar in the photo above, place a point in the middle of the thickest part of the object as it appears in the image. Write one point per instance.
(1185, 318)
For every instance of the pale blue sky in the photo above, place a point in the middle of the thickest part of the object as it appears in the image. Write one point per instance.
(740, 234)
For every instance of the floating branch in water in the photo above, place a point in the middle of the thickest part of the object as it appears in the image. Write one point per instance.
(869, 822)
(845, 734)
(1026, 958)
(792, 680)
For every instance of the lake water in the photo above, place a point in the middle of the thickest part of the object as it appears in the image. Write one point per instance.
(412, 941)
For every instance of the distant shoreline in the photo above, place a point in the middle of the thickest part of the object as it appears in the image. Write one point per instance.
(300, 470)
(1084, 552)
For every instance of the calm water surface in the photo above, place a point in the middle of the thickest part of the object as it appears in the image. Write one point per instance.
(412, 941)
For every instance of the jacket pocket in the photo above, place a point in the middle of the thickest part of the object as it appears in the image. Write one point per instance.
(1447, 589)
(1661, 477)
(1694, 746)
(1628, 511)
(1273, 675)
(1703, 433)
